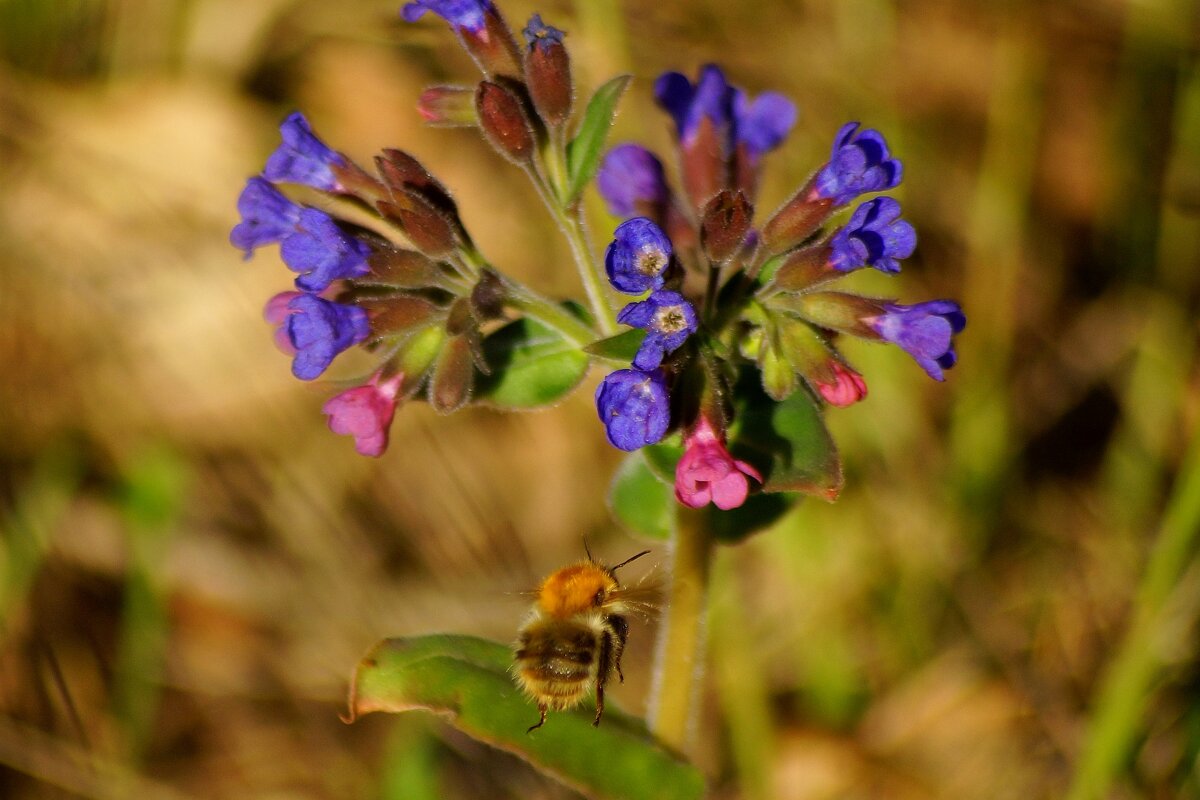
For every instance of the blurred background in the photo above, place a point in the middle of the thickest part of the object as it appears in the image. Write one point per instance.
(1003, 603)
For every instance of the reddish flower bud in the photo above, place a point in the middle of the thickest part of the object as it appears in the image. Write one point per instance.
(548, 71)
(798, 219)
(448, 107)
(703, 163)
(724, 224)
(428, 229)
(842, 386)
(504, 121)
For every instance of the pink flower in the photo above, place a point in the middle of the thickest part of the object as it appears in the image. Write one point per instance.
(365, 412)
(276, 312)
(708, 472)
(846, 389)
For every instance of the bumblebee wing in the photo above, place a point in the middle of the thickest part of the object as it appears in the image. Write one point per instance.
(644, 598)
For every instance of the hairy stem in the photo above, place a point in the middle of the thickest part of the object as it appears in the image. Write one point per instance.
(548, 313)
(679, 656)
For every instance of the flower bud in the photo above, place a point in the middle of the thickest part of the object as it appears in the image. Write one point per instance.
(724, 224)
(548, 71)
(448, 107)
(504, 121)
(836, 311)
(399, 313)
(488, 295)
(802, 270)
(799, 218)
(427, 228)
(453, 376)
(403, 269)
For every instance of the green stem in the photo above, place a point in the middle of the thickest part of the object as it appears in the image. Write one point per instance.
(594, 283)
(548, 313)
(1127, 687)
(680, 650)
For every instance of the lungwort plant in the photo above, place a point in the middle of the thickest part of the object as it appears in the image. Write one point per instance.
(721, 356)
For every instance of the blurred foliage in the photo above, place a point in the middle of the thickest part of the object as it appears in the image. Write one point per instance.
(192, 564)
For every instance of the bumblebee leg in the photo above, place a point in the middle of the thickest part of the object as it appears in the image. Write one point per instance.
(620, 629)
(540, 722)
(599, 704)
(603, 671)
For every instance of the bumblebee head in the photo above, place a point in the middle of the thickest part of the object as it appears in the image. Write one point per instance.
(579, 588)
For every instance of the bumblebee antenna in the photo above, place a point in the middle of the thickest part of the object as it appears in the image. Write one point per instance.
(611, 570)
(588, 550)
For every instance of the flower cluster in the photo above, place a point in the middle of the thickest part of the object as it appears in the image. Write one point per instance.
(764, 291)
(726, 311)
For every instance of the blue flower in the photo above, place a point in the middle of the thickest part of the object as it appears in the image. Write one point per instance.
(875, 236)
(638, 256)
(634, 407)
(858, 164)
(539, 34)
(319, 330)
(925, 331)
(630, 174)
(763, 123)
(302, 157)
(322, 252)
(267, 216)
(467, 14)
(668, 319)
(759, 124)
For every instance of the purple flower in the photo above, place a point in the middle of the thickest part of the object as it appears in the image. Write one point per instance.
(760, 124)
(875, 236)
(630, 174)
(322, 252)
(319, 330)
(302, 157)
(925, 331)
(859, 164)
(669, 320)
(688, 104)
(638, 256)
(539, 34)
(267, 216)
(467, 14)
(634, 407)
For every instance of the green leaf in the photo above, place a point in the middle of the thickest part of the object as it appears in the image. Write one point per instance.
(760, 510)
(641, 502)
(787, 441)
(621, 347)
(466, 680)
(664, 456)
(532, 365)
(583, 152)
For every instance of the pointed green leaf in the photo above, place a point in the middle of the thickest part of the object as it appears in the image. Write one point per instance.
(787, 441)
(621, 347)
(466, 680)
(583, 152)
(532, 365)
(639, 501)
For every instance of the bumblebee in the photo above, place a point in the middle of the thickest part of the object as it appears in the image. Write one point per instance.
(574, 636)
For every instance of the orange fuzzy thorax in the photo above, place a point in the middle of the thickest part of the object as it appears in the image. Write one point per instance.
(572, 590)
